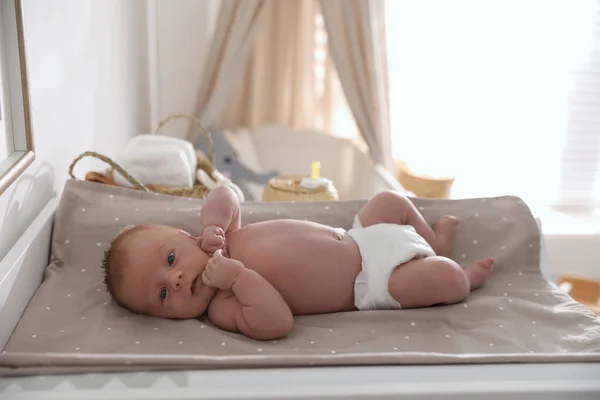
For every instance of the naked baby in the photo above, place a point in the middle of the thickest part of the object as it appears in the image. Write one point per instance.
(254, 279)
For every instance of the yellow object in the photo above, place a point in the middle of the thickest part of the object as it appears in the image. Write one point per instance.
(315, 169)
(583, 290)
(290, 188)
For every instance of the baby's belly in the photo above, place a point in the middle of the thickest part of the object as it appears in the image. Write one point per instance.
(314, 272)
(323, 284)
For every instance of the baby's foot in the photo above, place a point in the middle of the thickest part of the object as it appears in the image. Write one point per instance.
(444, 229)
(478, 271)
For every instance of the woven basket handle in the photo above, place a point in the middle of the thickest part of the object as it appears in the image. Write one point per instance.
(209, 141)
(110, 162)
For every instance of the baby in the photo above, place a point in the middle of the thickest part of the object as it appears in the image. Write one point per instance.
(254, 279)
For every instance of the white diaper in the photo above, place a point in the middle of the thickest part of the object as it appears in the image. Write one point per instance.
(383, 247)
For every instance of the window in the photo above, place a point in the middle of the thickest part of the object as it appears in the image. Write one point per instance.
(6, 138)
(334, 115)
(502, 94)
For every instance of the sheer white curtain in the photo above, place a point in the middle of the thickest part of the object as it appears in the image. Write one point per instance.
(504, 94)
(357, 43)
(289, 76)
(232, 39)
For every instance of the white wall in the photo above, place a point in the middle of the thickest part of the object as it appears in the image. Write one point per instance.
(87, 62)
(573, 242)
(179, 38)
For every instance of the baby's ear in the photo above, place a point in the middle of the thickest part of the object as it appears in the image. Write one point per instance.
(195, 238)
(185, 233)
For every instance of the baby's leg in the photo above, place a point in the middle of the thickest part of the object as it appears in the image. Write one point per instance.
(436, 280)
(394, 208)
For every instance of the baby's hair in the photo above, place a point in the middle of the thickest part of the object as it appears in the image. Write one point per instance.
(115, 259)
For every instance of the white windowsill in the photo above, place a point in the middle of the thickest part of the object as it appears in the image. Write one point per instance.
(569, 223)
(572, 241)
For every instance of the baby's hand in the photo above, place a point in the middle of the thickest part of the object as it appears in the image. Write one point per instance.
(213, 239)
(221, 272)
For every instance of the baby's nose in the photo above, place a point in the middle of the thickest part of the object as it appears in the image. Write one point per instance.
(176, 279)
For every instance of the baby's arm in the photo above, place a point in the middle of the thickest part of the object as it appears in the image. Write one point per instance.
(222, 209)
(220, 214)
(247, 303)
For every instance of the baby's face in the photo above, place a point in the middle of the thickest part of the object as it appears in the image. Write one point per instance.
(163, 276)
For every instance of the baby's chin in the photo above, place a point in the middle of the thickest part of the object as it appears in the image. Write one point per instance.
(196, 310)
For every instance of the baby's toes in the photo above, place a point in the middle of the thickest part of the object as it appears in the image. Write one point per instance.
(485, 264)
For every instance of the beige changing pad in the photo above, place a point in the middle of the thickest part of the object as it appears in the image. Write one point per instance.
(71, 325)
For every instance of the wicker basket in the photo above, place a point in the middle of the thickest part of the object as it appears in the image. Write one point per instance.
(107, 177)
(288, 188)
(422, 186)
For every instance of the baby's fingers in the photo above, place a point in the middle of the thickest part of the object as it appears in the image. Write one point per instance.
(218, 255)
(206, 280)
(208, 274)
(213, 230)
(214, 241)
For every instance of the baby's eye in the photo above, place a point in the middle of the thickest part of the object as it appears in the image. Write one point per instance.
(171, 258)
(163, 294)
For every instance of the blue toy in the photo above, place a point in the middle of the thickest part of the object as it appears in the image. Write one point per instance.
(227, 163)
